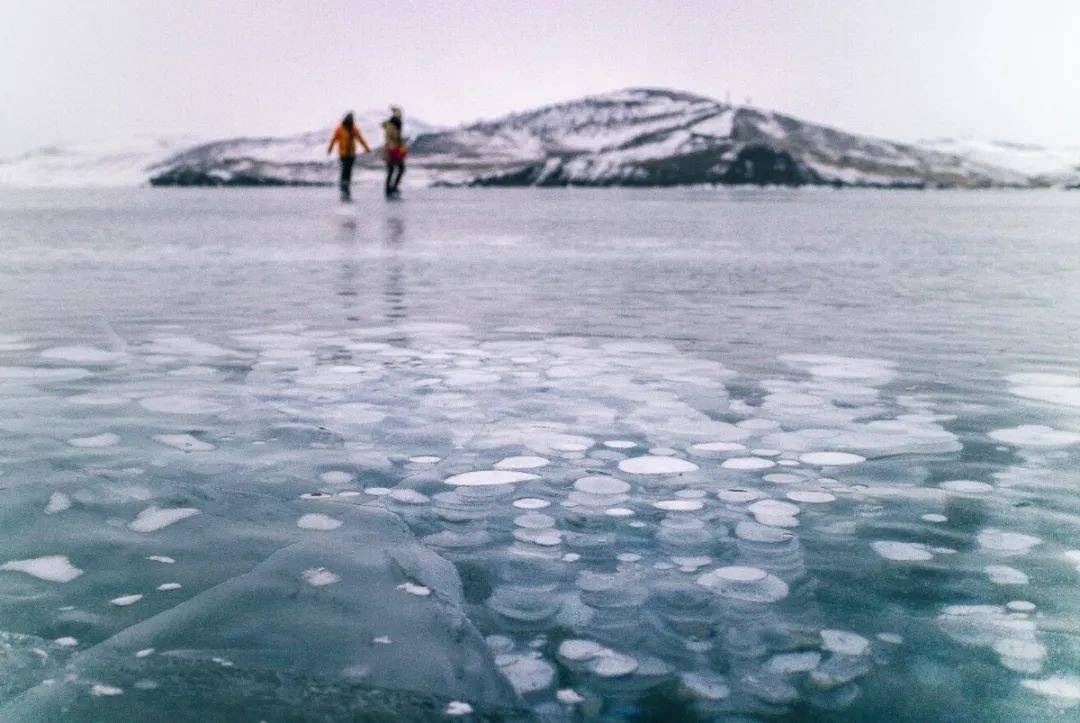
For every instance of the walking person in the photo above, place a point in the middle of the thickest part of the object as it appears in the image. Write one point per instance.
(394, 151)
(345, 137)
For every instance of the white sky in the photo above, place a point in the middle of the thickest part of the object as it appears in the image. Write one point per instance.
(905, 69)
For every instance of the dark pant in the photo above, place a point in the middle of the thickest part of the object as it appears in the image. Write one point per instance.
(394, 171)
(346, 174)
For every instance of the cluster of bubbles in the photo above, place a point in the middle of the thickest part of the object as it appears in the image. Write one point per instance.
(669, 550)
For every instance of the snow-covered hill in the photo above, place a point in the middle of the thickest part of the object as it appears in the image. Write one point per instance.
(636, 137)
(1045, 165)
(103, 163)
(648, 137)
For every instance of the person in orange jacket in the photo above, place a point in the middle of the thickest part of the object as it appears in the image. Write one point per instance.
(345, 137)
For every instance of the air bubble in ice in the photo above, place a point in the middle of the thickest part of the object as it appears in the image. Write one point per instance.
(317, 521)
(648, 465)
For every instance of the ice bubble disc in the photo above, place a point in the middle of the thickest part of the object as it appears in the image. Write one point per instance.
(182, 404)
(602, 485)
(1068, 395)
(534, 521)
(811, 496)
(153, 519)
(830, 459)
(783, 478)
(620, 444)
(612, 665)
(1063, 689)
(108, 439)
(747, 463)
(844, 642)
(678, 505)
(1037, 378)
(1035, 435)
(791, 663)
(576, 649)
(750, 584)
(1005, 575)
(718, 447)
(754, 532)
(408, 497)
(704, 686)
(902, 551)
(738, 495)
(184, 442)
(489, 477)
(53, 568)
(319, 577)
(649, 464)
(58, 502)
(336, 477)
(774, 507)
(618, 512)
(457, 708)
(81, 354)
(531, 503)
(425, 459)
(1006, 543)
(522, 463)
(318, 521)
(966, 487)
(125, 600)
(526, 674)
(1022, 606)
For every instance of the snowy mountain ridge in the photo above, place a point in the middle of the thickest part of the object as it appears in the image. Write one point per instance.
(633, 137)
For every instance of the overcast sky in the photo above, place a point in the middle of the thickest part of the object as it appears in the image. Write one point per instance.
(905, 69)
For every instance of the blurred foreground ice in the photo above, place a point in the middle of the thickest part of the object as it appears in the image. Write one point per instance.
(414, 521)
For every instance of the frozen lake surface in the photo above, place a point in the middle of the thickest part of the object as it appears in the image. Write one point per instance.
(682, 454)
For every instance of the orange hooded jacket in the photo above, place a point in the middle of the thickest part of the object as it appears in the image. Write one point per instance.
(346, 142)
